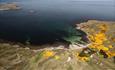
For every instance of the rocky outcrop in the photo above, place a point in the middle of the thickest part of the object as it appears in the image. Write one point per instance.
(94, 25)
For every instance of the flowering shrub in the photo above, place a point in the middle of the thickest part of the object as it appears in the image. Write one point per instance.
(48, 53)
(83, 58)
(99, 43)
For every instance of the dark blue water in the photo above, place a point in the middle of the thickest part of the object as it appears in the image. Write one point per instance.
(45, 20)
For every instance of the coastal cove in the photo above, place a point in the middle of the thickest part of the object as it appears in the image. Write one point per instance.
(42, 21)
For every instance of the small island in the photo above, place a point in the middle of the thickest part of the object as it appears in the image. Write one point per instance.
(9, 6)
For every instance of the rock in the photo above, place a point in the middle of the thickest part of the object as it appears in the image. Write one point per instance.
(69, 59)
(73, 46)
(6, 44)
(77, 46)
(27, 48)
(60, 47)
(16, 46)
(35, 51)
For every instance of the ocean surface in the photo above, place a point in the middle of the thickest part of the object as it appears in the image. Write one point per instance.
(43, 20)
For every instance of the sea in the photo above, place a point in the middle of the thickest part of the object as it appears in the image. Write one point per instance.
(43, 21)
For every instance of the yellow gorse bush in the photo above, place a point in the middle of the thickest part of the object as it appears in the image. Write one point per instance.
(110, 54)
(100, 45)
(48, 53)
(98, 39)
(84, 58)
(56, 57)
